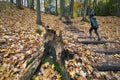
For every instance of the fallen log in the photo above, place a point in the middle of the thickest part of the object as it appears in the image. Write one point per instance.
(35, 55)
(96, 42)
(33, 67)
(85, 37)
(108, 67)
(109, 52)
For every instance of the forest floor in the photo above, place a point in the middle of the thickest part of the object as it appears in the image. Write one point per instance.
(19, 41)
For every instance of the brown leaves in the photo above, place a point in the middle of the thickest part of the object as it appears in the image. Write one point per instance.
(47, 72)
(75, 69)
(17, 29)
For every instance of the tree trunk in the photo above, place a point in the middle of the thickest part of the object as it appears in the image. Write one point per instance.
(71, 9)
(38, 13)
(18, 3)
(85, 10)
(44, 7)
(54, 50)
(11, 1)
(61, 9)
(21, 2)
(119, 8)
(28, 3)
(56, 8)
(32, 4)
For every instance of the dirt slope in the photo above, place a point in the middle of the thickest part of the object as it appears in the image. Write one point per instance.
(17, 30)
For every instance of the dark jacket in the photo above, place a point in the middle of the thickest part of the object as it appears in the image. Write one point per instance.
(94, 23)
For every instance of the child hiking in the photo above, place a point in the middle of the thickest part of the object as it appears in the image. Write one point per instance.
(94, 25)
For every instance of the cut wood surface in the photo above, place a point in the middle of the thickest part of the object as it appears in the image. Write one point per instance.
(97, 42)
(108, 51)
(108, 67)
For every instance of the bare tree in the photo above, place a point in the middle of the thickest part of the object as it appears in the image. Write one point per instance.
(71, 9)
(56, 8)
(18, 4)
(38, 13)
(28, 3)
(119, 8)
(11, 1)
(61, 8)
(85, 10)
(32, 4)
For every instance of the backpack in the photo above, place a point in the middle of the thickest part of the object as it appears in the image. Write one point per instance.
(94, 23)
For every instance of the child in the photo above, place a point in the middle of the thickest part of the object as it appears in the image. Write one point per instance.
(94, 25)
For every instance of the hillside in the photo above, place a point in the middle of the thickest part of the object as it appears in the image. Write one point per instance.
(19, 41)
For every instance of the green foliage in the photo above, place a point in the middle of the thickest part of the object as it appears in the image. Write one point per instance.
(77, 8)
(106, 8)
(38, 31)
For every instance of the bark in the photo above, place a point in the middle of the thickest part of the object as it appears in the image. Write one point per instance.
(56, 8)
(107, 67)
(32, 4)
(97, 42)
(72, 6)
(61, 9)
(38, 13)
(18, 4)
(33, 66)
(85, 10)
(109, 52)
(21, 2)
(11, 1)
(28, 3)
(54, 49)
(85, 37)
(119, 8)
(29, 61)
(44, 6)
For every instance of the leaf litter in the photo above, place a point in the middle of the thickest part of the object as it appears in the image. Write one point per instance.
(17, 29)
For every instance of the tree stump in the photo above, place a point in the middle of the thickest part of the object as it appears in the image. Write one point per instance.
(54, 51)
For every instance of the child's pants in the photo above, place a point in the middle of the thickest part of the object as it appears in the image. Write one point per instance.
(96, 32)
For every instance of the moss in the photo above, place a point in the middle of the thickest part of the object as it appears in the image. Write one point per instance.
(57, 66)
(38, 31)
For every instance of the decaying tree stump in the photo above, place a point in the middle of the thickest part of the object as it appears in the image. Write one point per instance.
(52, 50)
